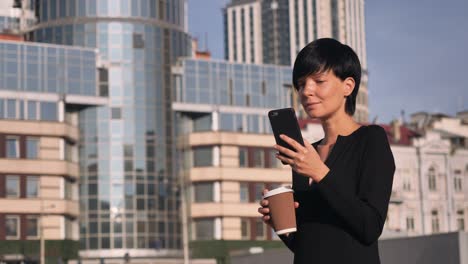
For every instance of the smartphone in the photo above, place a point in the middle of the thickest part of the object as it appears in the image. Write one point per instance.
(284, 121)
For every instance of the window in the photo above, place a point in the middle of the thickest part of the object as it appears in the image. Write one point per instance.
(260, 230)
(410, 223)
(432, 179)
(204, 229)
(32, 186)
(32, 148)
(243, 157)
(49, 111)
(435, 221)
(12, 186)
(12, 227)
(461, 220)
(69, 194)
(258, 158)
(116, 113)
(245, 229)
(202, 123)
(458, 181)
(11, 109)
(244, 192)
(258, 191)
(203, 157)
(138, 41)
(12, 147)
(203, 192)
(32, 110)
(273, 162)
(32, 227)
(406, 183)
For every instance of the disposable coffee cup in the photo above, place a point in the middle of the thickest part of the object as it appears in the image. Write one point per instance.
(282, 211)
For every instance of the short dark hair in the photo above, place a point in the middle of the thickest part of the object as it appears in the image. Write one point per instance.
(326, 54)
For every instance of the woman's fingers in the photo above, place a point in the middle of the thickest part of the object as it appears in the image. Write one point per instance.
(296, 205)
(285, 151)
(263, 210)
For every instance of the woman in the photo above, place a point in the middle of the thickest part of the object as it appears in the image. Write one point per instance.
(343, 182)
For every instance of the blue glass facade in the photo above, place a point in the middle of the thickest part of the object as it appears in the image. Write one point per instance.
(27, 67)
(128, 189)
(235, 87)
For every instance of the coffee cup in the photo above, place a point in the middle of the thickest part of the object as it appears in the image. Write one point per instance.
(282, 211)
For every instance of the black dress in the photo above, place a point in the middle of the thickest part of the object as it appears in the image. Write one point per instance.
(340, 219)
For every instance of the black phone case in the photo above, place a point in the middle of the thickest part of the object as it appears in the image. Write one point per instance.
(284, 121)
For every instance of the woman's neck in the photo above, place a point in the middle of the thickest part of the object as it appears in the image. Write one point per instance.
(337, 125)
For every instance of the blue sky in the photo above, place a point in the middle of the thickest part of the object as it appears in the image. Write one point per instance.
(417, 53)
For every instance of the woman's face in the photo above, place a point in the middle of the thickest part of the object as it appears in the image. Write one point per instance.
(323, 94)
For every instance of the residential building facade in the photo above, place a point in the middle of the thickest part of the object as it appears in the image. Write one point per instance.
(40, 98)
(225, 144)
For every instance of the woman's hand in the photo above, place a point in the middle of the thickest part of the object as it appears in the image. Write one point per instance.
(304, 160)
(265, 211)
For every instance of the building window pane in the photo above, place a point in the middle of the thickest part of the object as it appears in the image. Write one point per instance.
(12, 227)
(11, 109)
(204, 229)
(259, 187)
(273, 162)
(203, 157)
(258, 158)
(435, 222)
(432, 179)
(410, 223)
(243, 157)
(116, 113)
(244, 192)
(48, 111)
(260, 229)
(12, 186)
(32, 227)
(32, 186)
(203, 192)
(460, 220)
(32, 110)
(202, 123)
(32, 148)
(12, 146)
(245, 229)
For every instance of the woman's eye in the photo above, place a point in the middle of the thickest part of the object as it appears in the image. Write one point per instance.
(320, 81)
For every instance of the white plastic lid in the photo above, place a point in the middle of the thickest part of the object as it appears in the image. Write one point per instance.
(278, 190)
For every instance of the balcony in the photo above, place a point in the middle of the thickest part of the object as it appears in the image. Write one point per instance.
(199, 210)
(39, 128)
(228, 138)
(240, 174)
(39, 167)
(33, 206)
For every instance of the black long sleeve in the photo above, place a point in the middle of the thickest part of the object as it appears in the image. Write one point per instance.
(288, 241)
(364, 213)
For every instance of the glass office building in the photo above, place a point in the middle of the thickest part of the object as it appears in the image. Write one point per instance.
(129, 202)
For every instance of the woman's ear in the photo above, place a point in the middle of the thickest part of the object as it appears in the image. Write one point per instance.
(349, 84)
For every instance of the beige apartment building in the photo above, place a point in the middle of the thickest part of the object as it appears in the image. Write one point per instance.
(230, 171)
(39, 145)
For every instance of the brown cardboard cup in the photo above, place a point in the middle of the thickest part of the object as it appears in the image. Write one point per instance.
(282, 211)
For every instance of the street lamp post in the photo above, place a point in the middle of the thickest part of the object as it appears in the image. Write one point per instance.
(42, 238)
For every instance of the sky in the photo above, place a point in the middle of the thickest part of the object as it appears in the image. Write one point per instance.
(417, 53)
